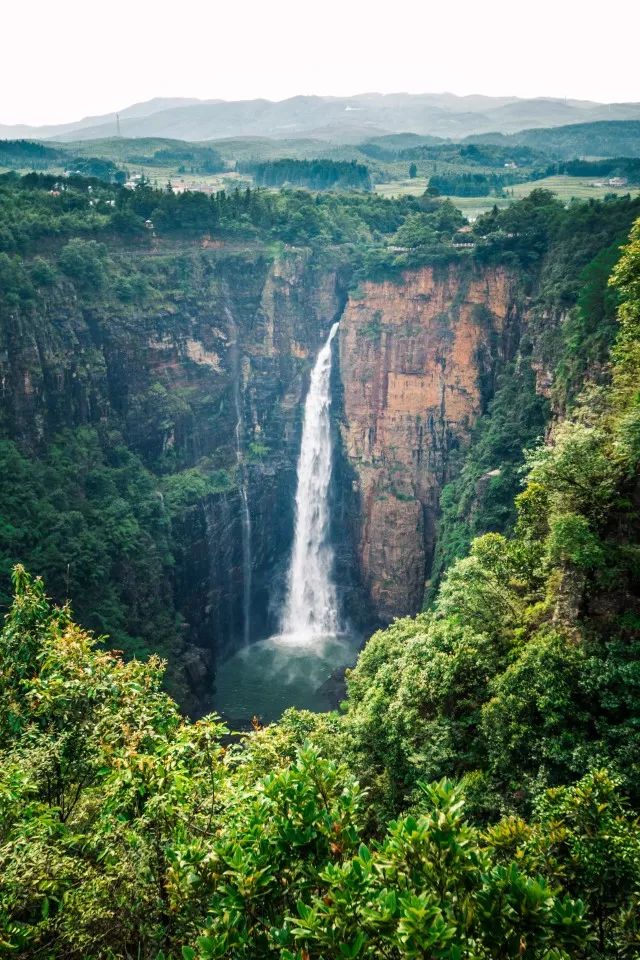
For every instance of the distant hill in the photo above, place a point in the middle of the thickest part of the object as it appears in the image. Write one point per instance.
(106, 124)
(336, 119)
(615, 138)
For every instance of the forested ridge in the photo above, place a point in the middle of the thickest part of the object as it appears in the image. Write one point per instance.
(477, 796)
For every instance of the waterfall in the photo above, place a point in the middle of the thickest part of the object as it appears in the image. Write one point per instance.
(311, 608)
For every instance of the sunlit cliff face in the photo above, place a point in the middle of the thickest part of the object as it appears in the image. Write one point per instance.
(416, 360)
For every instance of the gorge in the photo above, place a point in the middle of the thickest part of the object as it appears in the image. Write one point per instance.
(220, 379)
(414, 359)
(166, 403)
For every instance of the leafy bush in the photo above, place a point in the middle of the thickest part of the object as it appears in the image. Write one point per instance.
(126, 830)
(84, 262)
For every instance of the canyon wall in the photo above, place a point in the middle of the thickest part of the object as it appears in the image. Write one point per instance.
(204, 380)
(418, 360)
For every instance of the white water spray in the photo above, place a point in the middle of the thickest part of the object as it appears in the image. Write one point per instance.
(311, 608)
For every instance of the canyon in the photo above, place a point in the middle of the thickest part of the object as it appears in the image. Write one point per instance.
(210, 376)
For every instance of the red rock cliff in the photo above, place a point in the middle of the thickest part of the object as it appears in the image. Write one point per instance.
(417, 361)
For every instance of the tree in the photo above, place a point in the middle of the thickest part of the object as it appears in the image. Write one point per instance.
(84, 262)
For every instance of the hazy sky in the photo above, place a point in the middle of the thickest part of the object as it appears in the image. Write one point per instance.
(63, 60)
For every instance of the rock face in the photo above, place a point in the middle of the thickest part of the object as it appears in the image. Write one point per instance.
(418, 359)
(224, 345)
(211, 373)
(241, 357)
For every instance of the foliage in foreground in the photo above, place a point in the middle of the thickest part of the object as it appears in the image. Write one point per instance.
(128, 832)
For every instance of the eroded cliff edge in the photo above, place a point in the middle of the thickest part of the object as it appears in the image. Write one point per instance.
(418, 361)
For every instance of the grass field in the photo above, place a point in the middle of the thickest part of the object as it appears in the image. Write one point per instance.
(472, 207)
(402, 188)
(583, 188)
(566, 188)
(159, 176)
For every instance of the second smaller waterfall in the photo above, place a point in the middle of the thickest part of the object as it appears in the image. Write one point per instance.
(311, 607)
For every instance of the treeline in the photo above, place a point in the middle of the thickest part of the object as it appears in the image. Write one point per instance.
(457, 154)
(472, 154)
(97, 167)
(540, 231)
(312, 174)
(528, 148)
(38, 157)
(38, 208)
(456, 184)
(538, 236)
(22, 153)
(626, 167)
(189, 159)
(469, 184)
(600, 138)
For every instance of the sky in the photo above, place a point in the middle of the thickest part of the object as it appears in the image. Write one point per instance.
(66, 60)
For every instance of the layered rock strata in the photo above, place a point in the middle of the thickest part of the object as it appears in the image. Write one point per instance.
(418, 359)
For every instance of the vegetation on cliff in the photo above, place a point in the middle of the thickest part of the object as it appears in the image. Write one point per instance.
(564, 259)
(94, 445)
(126, 831)
(525, 672)
(88, 515)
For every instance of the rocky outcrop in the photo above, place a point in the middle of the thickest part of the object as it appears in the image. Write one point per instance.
(418, 360)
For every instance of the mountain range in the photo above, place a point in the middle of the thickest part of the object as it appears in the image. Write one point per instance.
(344, 119)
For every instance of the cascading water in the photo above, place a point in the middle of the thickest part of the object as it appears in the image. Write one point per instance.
(311, 607)
(300, 666)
